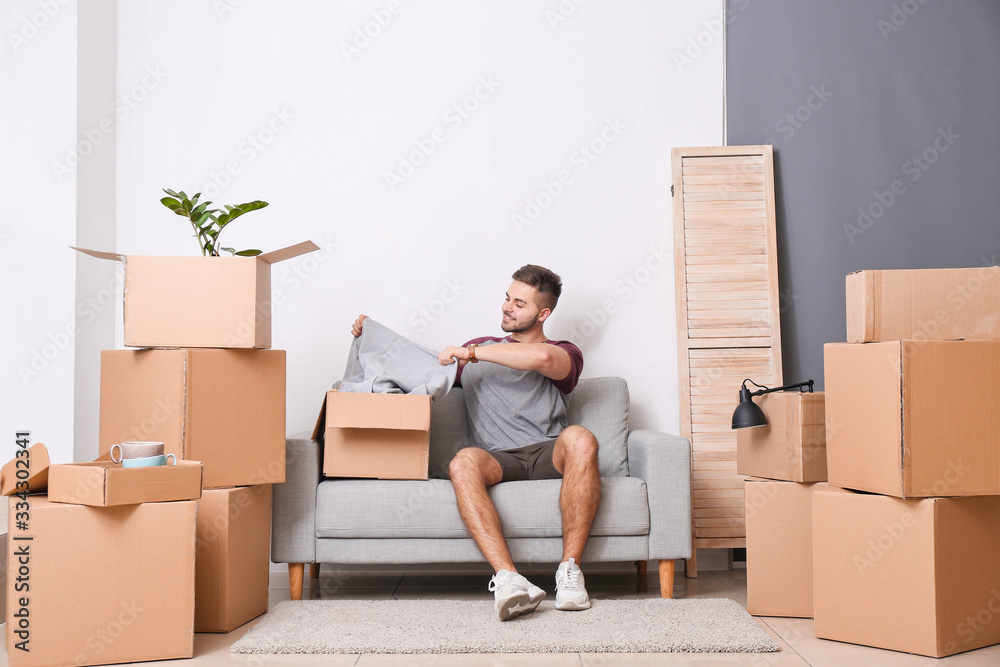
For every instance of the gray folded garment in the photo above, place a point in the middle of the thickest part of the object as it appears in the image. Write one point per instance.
(383, 362)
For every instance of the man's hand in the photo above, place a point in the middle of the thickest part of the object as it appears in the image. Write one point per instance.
(450, 353)
(356, 328)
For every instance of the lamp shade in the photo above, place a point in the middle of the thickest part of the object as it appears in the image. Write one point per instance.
(747, 414)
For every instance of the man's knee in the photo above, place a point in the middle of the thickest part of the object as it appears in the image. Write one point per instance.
(468, 464)
(578, 444)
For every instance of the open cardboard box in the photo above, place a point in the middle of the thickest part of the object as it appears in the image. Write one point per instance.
(104, 483)
(199, 301)
(914, 418)
(928, 304)
(385, 436)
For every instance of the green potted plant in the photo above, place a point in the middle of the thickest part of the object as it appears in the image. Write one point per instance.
(208, 223)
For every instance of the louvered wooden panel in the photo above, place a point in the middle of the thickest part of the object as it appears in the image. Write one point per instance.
(727, 315)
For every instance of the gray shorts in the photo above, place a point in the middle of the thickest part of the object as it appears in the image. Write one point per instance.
(530, 462)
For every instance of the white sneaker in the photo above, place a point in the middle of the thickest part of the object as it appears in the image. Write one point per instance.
(514, 594)
(571, 595)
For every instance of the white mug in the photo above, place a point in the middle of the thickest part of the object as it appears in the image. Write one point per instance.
(136, 450)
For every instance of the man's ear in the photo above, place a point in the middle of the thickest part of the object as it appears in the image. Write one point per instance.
(543, 314)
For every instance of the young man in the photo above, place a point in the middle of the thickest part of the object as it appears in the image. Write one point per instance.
(515, 395)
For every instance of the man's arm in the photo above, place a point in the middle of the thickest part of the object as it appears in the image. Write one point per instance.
(550, 360)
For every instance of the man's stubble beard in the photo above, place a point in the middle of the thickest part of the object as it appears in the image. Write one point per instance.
(518, 329)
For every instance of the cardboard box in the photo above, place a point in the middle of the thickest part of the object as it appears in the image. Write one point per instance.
(233, 557)
(914, 418)
(106, 483)
(921, 576)
(225, 408)
(792, 445)
(926, 304)
(32, 468)
(779, 547)
(386, 436)
(99, 585)
(199, 301)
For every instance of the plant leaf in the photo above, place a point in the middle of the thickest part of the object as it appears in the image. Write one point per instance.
(248, 253)
(170, 203)
(231, 251)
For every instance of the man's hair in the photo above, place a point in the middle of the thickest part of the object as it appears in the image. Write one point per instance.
(548, 284)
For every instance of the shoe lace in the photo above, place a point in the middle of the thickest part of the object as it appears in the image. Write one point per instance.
(498, 581)
(571, 578)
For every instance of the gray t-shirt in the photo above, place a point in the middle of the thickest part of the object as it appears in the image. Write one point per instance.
(510, 408)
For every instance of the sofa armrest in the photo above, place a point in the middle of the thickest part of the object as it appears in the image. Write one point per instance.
(664, 463)
(293, 513)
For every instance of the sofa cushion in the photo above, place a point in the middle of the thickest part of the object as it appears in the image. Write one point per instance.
(601, 406)
(598, 404)
(360, 508)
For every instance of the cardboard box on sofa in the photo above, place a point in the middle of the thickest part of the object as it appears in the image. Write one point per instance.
(222, 302)
(924, 304)
(792, 445)
(225, 408)
(779, 547)
(918, 575)
(98, 585)
(385, 436)
(914, 418)
(233, 557)
(106, 483)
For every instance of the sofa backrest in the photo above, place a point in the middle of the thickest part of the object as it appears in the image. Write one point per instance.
(598, 404)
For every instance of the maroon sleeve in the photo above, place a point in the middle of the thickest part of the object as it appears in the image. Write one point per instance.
(568, 383)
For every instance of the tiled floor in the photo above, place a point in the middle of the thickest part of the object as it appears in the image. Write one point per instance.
(799, 645)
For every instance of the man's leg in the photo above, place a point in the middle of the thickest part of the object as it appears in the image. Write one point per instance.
(575, 456)
(472, 472)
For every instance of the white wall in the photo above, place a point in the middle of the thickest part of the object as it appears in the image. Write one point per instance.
(268, 100)
(37, 224)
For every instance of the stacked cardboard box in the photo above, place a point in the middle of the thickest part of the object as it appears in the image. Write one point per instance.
(906, 549)
(785, 458)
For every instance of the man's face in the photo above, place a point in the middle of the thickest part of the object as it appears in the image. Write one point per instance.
(520, 313)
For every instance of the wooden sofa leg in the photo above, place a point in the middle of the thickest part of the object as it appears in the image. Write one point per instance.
(295, 572)
(667, 578)
(640, 568)
(314, 570)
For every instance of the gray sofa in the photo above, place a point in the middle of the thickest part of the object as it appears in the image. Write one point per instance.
(645, 510)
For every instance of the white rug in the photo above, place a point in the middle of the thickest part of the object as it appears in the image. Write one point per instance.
(470, 626)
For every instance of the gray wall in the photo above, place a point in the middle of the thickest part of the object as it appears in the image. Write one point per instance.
(892, 106)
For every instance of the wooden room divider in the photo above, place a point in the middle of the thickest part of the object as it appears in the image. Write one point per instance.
(727, 318)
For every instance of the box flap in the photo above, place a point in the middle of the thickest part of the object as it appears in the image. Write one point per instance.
(104, 483)
(386, 411)
(289, 252)
(38, 467)
(100, 254)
